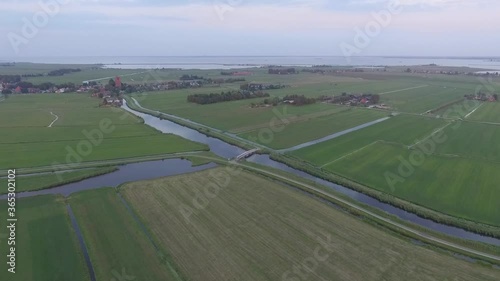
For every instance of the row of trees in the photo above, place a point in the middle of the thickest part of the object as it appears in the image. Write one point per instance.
(299, 100)
(63, 71)
(282, 71)
(10, 78)
(225, 97)
(260, 87)
(187, 77)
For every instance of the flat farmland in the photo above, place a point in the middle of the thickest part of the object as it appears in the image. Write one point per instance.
(255, 229)
(488, 112)
(472, 140)
(402, 129)
(423, 99)
(314, 121)
(227, 116)
(304, 130)
(115, 241)
(80, 131)
(46, 246)
(465, 188)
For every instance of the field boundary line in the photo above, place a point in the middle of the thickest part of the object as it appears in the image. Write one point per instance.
(474, 110)
(55, 120)
(429, 136)
(402, 90)
(347, 155)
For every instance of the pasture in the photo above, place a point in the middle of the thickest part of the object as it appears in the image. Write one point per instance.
(294, 132)
(423, 99)
(461, 187)
(46, 246)
(402, 129)
(256, 229)
(80, 132)
(472, 141)
(115, 241)
(488, 112)
(412, 94)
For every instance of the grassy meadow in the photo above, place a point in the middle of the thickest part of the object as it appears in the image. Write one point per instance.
(115, 241)
(307, 129)
(488, 112)
(83, 132)
(47, 248)
(461, 187)
(403, 129)
(255, 229)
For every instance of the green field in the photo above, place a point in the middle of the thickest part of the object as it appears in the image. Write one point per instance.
(84, 132)
(423, 99)
(304, 130)
(404, 93)
(115, 241)
(46, 245)
(255, 229)
(489, 112)
(44, 181)
(461, 187)
(403, 129)
(472, 140)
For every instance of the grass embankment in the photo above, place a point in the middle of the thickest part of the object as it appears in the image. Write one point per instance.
(255, 229)
(45, 181)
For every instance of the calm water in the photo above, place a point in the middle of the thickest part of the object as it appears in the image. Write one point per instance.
(226, 62)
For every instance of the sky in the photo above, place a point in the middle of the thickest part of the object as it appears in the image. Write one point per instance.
(40, 28)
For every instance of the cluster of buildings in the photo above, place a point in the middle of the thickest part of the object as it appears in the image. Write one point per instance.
(354, 100)
(483, 97)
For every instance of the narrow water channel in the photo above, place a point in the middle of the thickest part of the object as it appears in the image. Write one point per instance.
(81, 241)
(126, 173)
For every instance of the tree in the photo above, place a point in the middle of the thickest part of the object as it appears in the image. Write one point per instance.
(112, 83)
(495, 96)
